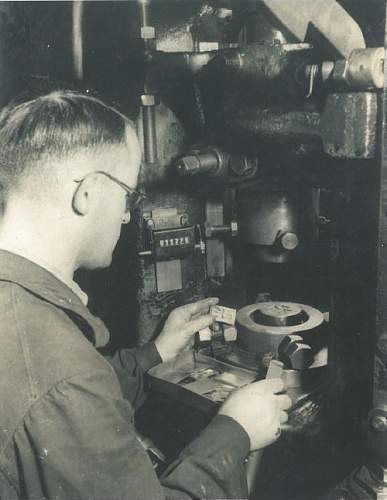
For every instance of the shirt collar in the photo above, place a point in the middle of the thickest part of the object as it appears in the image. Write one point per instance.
(46, 284)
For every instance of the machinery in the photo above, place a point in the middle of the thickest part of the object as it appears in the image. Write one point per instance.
(262, 125)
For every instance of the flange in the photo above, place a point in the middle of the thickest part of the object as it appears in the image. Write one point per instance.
(262, 326)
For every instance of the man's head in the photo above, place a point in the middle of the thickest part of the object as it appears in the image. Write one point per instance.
(72, 161)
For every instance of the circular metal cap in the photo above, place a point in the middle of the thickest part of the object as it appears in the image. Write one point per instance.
(289, 241)
(280, 309)
(279, 314)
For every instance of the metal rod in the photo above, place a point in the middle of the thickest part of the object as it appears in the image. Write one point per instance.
(149, 130)
(144, 11)
(77, 38)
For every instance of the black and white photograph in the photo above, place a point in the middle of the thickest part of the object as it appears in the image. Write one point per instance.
(193, 250)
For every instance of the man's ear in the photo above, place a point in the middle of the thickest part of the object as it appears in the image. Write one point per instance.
(82, 196)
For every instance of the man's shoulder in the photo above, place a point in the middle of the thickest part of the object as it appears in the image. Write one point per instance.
(46, 364)
(27, 309)
(43, 337)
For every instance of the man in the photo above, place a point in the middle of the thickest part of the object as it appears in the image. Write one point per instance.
(68, 171)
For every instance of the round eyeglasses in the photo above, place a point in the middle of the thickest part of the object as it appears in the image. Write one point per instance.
(133, 197)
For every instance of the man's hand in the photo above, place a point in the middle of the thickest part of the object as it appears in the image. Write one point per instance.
(181, 325)
(259, 410)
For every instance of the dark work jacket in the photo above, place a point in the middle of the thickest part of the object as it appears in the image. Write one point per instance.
(66, 422)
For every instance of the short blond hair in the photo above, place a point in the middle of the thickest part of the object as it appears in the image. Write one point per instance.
(55, 126)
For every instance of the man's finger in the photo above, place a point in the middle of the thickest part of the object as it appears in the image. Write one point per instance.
(198, 324)
(284, 402)
(284, 417)
(274, 385)
(201, 306)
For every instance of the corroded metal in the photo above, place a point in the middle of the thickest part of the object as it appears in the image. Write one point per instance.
(266, 62)
(346, 125)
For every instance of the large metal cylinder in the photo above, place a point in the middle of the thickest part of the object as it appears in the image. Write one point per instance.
(262, 326)
(276, 223)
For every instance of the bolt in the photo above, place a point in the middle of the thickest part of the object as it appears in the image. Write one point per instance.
(379, 423)
(148, 32)
(184, 220)
(242, 166)
(188, 165)
(145, 253)
(234, 228)
(148, 100)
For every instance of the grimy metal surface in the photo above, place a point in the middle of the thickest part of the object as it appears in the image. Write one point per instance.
(377, 438)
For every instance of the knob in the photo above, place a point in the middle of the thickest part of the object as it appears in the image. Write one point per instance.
(288, 240)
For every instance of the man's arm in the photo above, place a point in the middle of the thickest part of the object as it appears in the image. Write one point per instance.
(78, 441)
(130, 366)
(181, 325)
(212, 466)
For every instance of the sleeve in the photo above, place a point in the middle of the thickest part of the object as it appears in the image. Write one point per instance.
(78, 441)
(212, 466)
(130, 366)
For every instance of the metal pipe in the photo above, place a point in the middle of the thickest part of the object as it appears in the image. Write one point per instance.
(149, 131)
(144, 11)
(77, 38)
(148, 99)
